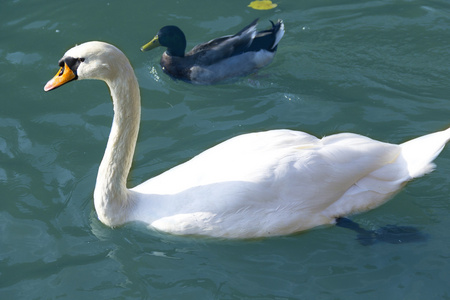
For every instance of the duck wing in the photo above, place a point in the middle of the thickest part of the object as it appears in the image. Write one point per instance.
(224, 47)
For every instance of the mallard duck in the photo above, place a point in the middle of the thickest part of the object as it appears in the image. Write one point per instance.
(259, 184)
(219, 59)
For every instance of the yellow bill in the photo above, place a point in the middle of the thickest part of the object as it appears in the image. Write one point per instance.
(64, 75)
(151, 45)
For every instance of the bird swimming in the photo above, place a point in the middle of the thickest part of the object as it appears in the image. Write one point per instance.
(219, 59)
(260, 184)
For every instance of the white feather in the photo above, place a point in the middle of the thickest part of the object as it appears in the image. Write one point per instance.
(254, 185)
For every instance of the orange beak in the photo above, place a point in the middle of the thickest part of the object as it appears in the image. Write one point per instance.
(64, 75)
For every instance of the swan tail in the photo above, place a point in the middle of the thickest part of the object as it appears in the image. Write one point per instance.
(420, 152)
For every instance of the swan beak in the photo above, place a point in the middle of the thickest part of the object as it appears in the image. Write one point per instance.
(151, 45)
(64, 75)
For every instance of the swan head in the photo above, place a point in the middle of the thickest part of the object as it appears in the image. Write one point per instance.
(91, 60)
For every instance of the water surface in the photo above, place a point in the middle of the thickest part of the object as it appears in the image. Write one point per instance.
(377, 68)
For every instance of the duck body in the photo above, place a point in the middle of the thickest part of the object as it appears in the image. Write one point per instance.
(219, 59)
(254, 185)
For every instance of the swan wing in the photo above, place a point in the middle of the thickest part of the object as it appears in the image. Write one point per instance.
(279, 179)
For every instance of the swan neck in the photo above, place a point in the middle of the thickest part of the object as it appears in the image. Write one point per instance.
(111, 196)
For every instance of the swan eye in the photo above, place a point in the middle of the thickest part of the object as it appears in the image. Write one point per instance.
(81, 59)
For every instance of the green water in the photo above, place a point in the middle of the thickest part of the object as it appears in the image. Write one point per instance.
(378, 68)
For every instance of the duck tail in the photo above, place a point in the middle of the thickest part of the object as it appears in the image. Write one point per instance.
(420, 152)
(268, 39)
(278, 31)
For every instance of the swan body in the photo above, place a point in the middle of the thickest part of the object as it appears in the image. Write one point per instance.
(219, 59)
(253, 185)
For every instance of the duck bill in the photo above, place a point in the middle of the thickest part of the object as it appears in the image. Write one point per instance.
(64, 75)
(151, 45)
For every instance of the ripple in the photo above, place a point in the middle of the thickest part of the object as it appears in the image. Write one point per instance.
(23, 58)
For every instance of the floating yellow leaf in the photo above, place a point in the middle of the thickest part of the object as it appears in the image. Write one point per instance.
(262, 4)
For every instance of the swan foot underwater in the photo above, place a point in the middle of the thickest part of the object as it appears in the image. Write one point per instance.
(390, 233)
(254, 185)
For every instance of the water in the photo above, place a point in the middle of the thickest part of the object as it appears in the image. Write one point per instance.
(378, 68)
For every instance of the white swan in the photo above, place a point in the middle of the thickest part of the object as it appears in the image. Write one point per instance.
(254, 185)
